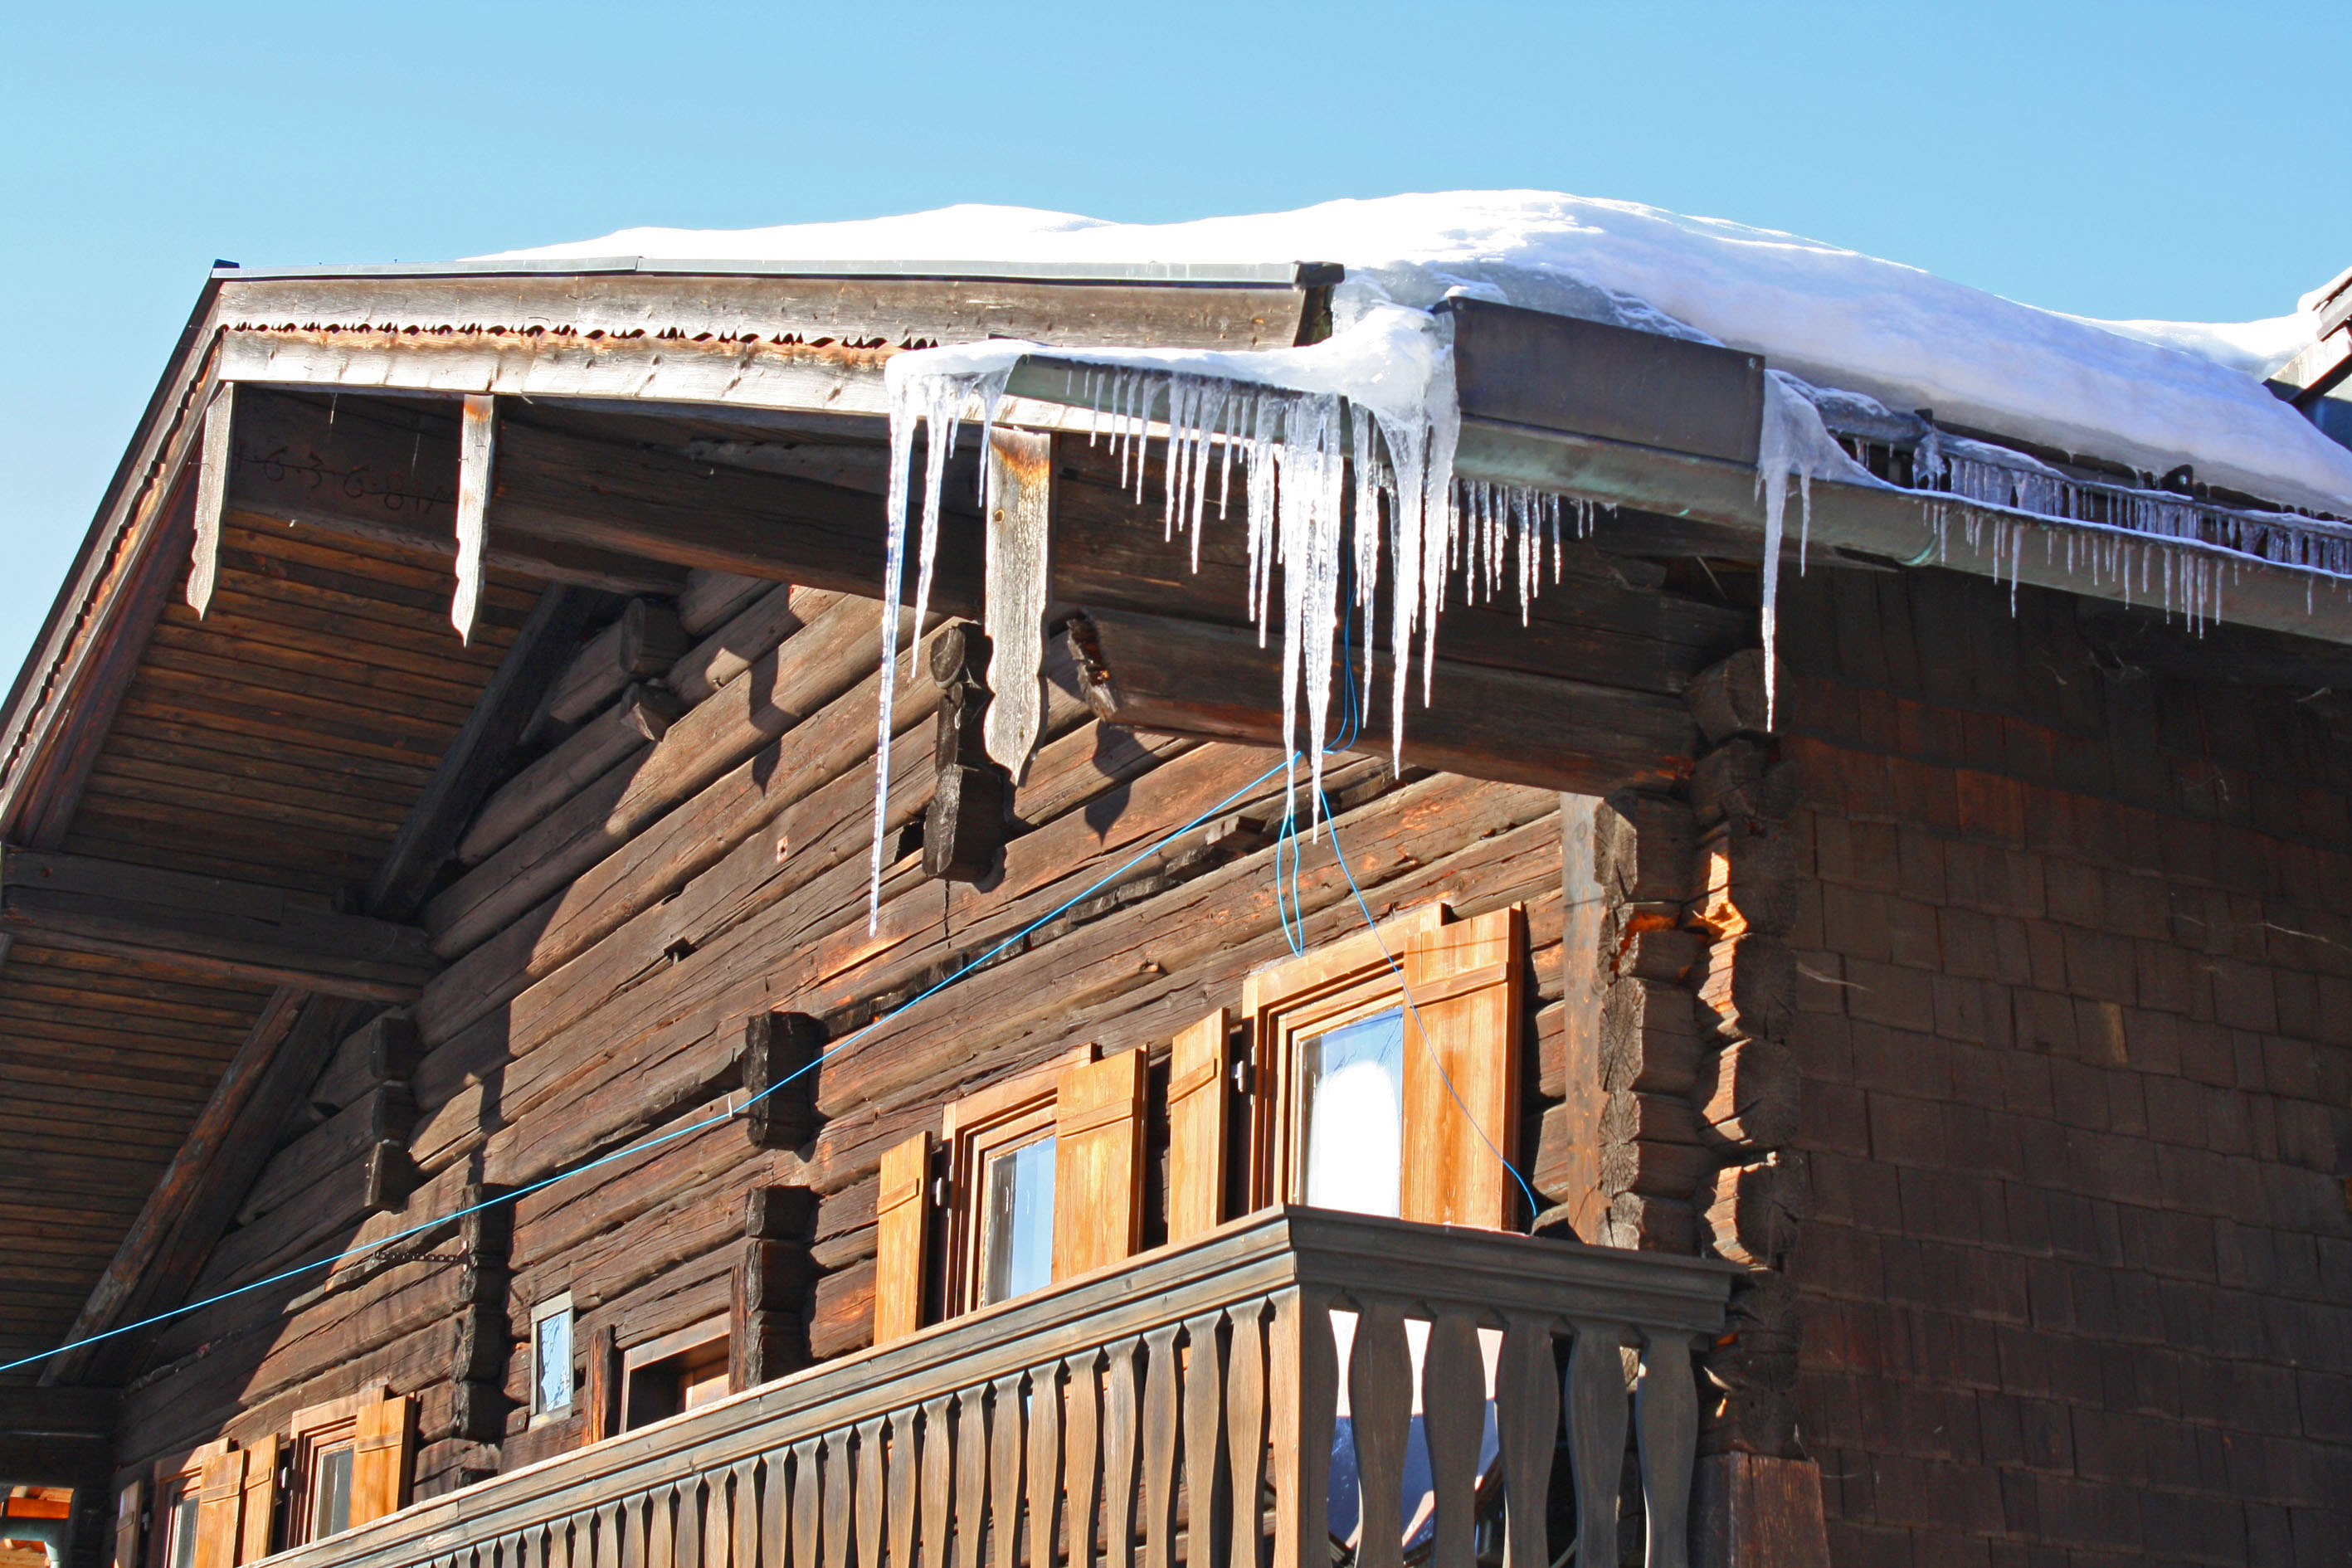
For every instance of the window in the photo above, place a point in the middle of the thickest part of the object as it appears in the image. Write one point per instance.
(550, 1360)
(215, 1507)
(180, 1528)
(673, 1375)
(179, 1485)
(1000, 1167)
(1044, 1183)
(1351, 1115)
(351, 1463)
(1017, 1238)
(1385, 1077)
(326, 1442)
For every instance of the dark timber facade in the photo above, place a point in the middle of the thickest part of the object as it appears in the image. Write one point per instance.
(1937, 1099)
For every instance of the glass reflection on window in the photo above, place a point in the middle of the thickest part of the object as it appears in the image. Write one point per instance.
(1017, 1243)
(331, 1502)
(183, 1528)
(1351, 1082)
(552, 1361)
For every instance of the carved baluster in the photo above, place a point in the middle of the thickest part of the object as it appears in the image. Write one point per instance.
(1453, 1416)
(1044, 1460)
(1596, 1435)
(906, 1487)
(621, 1540)
(939, 1482)
(1158, 1435)
(775, 1512)
(1526, 1420)
(1121, 1423)
(1306, 1392)
(686, 1524)
(839, 1488)
(807, 1543)
(971, 1475)
(869, 1493)
(639, 1532)
(1005, 1435)
(718, 1505)
(1666, 1415)
(1380, 1398)
(1205, 1397)
(744, 1503)
(1080, 1485)
(661, 1529)
(1246, 1435)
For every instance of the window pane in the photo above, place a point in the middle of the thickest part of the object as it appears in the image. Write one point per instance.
(330, 1502)
(1351, 1085)
(1017, 1245)
(184, 1530)
(553, 1362)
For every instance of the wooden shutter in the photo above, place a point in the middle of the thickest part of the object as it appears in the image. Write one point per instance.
(1198, 1064)
(260, 1506)
(130, 1514)
(901, 1239)
(380, 1458)
(1464, 981)
(220, 1497)
(1097, 1163)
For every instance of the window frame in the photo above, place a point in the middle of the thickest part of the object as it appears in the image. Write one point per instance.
(1462, 983)
(314, 1433)
(1327, 988)
(976, 1128)
(558, 1305)
(696, 1346)
(176, 1480)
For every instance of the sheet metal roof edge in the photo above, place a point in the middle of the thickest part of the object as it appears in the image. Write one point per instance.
(1260, 274)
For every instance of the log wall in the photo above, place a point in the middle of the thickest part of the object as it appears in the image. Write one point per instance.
(652, 874)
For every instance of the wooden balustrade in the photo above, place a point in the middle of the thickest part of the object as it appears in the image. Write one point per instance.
(1181, 1410)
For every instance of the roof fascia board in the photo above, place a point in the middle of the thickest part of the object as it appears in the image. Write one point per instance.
(142, 470)
(1250, 274)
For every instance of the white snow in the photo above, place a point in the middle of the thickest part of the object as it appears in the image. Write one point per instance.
(2149, 395)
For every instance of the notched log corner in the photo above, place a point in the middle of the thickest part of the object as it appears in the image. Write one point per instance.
(777, 1061)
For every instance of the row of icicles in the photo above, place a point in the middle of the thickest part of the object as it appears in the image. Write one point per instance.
(1296, 451)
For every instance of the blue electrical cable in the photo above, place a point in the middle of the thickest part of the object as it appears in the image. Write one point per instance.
(656, 1141)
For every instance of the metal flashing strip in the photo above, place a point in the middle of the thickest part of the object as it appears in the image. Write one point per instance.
(1250, 274)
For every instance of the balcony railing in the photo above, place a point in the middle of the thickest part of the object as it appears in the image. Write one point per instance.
(1183, 1409)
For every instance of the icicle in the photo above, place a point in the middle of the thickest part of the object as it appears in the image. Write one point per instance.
(936, 399)
(1795, 446)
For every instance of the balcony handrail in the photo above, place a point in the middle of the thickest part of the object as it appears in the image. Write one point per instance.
(1275, 1273)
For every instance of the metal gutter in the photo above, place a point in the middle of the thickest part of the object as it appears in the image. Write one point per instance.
(1691, 478)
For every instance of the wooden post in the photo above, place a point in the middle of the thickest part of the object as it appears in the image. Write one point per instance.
(212, 495)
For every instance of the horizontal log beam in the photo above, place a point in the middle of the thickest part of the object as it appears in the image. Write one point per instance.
(562, 488)
(385, 469)
(1152, 672)
(209, 925)
(57, 1412)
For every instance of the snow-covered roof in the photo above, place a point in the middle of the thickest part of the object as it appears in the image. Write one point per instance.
(2151, 395)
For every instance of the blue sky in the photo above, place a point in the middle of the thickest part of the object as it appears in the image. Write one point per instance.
(2143, 159)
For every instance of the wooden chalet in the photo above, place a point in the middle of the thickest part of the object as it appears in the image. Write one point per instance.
(1910, 1129)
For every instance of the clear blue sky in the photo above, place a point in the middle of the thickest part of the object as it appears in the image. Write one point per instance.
(2115, 159)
